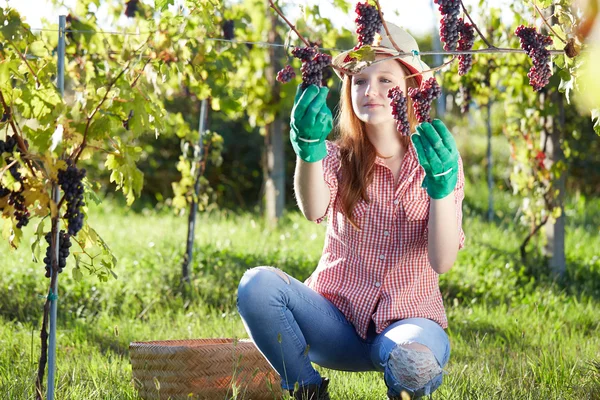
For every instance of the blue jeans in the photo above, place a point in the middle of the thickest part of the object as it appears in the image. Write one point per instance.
(292, 326)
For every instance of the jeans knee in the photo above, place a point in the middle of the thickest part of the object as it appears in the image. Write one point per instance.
(413, 367)
(256, 284)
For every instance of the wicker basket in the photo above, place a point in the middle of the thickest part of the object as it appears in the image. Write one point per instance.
(206, 369)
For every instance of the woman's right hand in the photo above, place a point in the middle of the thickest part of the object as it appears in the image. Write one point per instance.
(311, 122)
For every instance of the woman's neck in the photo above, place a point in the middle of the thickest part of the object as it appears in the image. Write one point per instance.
(386, 141)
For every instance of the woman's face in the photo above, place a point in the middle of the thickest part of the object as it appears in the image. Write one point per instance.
(369, 91)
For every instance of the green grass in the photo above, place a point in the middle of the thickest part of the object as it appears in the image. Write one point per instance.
(515, 332)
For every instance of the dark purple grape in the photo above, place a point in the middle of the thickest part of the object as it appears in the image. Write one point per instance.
(131, 7)
(70, 181)
(449, 26)
(286, 74)
(465, 43)
(534, 45)
(63, 252)
(368, 23)
(399, 105)
(423, 97)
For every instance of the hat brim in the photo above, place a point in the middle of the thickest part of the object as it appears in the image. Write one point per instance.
(413, 63)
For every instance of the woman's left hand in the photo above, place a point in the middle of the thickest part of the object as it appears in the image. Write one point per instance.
(438, 156)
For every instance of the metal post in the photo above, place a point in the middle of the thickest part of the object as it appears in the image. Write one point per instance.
(56, 198)
(198, 154)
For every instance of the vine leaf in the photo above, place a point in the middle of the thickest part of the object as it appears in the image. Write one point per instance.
(124, 170)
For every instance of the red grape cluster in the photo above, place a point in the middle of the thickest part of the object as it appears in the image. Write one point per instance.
(368, 23)
(15, 198)
(228, 26)
(449, 28)
(422, 98)
(131, 7)
(465, 43)
(304, 53)
(535, 44)
(399, 105)
(70, 181)
(312, 70)
(465, 94)
(63, 252)
(286, 74)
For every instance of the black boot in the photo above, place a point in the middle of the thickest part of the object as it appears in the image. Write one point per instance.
(312, 392)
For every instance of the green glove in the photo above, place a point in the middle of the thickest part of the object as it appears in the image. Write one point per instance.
(310, 124)
(438, 156)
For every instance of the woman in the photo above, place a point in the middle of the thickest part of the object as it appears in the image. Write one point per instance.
(393, 205)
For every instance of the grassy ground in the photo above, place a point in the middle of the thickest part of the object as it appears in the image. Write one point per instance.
(515, 333)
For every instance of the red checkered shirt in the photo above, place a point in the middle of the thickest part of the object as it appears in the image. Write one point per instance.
(382, 272)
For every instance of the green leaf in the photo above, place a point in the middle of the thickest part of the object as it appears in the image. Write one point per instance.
(365, 53)
(566, 84)
(543, 3)
(125, 172)
(39, 235)
(77, 275)
(162, 5)
(38, 48)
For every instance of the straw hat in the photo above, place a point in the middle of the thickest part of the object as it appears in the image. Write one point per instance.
(404, 41)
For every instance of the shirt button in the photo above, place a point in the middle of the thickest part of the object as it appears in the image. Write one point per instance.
(410, 179)
(382, 257)
(386, 233)
(395, 202)
(377, 284)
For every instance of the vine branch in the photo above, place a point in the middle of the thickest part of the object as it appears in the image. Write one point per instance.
(433, 69)
(37, 80)
(547, 24)
(278, 11)
(386, 27)
(487, 42)
(12, 123)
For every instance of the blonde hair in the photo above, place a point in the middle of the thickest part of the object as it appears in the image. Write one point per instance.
(356, 151)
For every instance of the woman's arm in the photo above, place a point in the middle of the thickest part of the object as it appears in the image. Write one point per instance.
(443, 236)
(312, 193)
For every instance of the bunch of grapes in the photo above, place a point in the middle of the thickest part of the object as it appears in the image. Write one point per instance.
(535, 44)
(368, 23)
(465, 95)
(15, 199)
(70, 181)
(304, 53)
(286, 74)
(399, 105)
(8, 146)
(228, 29)
(131, 7)
(312, 71)
(449, 28)
(63, 252)
(422, 98)
(465, 43)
